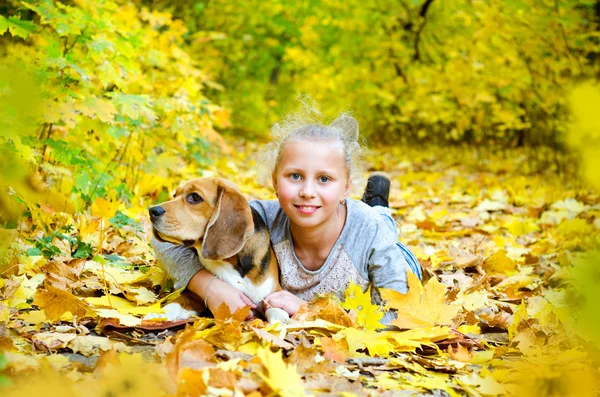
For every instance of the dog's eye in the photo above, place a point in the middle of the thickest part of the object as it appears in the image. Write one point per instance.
(194, 198)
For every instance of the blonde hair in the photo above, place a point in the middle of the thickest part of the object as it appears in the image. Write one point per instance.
(306, 125)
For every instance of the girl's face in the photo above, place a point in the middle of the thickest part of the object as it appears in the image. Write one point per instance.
(310, 180)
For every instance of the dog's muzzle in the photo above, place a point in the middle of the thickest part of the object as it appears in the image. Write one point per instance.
(156, 212)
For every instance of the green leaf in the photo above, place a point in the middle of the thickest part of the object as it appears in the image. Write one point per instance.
(20, 28)
(120, 220)
(84, 250)
(3, 25)
(133, 106)
(103, 109)
(34, 252)
(116, 260)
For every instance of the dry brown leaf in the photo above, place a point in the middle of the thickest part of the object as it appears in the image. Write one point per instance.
(9, 289)
(494, 317)
(325, 308)
(6, 342)
(197, 354)
(306, 360)
(273, 339)
(459, 353)
(222, 379)
(175, 357)
(62, 275)
(463, 258)
(335, 351)
(55, 303)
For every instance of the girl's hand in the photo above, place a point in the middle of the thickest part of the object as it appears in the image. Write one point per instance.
(285, 300)
(221, 292)
(218, 292)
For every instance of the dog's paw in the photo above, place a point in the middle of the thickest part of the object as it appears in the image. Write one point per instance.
(172, 312)
(274, 314)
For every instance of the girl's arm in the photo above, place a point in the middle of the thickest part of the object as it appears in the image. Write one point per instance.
(180, 262)
(183, 266)
(215, 292)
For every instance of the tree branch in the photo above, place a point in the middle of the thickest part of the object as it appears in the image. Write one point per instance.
(420, 26)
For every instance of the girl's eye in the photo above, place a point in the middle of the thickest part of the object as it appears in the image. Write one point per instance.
(194, 198)
(324, 179)
(295, 176)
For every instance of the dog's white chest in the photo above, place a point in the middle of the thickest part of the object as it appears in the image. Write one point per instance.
(226, 272)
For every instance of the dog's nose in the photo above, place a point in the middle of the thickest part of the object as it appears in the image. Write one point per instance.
(156, 212)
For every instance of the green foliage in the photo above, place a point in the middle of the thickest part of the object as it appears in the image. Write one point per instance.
(97, 99)
(120, 220)
(45, 246)
(483, 71)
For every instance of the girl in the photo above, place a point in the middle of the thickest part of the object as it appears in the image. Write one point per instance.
(322, 239)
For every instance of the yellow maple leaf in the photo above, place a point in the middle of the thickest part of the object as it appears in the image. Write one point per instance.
(368, 314)
(440, 258)
(123, 305)
(500, 263)
(376, 343)
(283, 379)
(421, 306)
(55, 303)
(431, 382)
(518, 317)
(519, 227)
(105, 208)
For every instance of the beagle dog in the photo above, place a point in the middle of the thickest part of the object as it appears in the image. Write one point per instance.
(232, 240)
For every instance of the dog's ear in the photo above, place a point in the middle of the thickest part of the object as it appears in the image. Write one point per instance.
(229, 226)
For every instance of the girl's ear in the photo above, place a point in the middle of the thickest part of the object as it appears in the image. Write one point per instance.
(348, 188)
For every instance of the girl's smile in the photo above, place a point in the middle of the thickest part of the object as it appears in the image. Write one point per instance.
(306, 209)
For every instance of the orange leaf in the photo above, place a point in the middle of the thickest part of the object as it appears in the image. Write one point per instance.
(461, 353)
(324, 307)
(335, 351)
(223, 314)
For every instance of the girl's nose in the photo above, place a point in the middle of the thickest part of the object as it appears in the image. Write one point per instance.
(307, 190)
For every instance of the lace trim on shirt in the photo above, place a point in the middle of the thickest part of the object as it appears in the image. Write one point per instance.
(335, 277)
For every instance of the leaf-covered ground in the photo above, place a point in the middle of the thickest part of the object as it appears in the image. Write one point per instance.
(501, 248)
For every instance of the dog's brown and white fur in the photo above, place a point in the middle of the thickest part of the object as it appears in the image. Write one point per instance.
(232, 240)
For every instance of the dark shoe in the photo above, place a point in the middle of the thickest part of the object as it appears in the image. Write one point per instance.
(377, 191)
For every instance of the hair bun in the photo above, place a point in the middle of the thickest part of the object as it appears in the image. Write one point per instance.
(348, 125)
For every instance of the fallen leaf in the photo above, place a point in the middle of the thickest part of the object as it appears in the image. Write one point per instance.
(55, 303)
(273, 339)
(368, 314)
(123, 305)
(324, 307)
(281, 378)
(421, 306)
(459, 353)
(499, 263)
(334, 351)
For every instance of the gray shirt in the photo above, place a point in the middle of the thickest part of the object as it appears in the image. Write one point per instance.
(366, 253)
